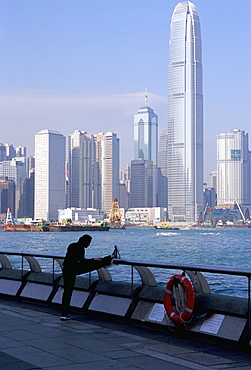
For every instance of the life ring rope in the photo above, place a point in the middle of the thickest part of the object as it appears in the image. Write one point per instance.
(186, 315)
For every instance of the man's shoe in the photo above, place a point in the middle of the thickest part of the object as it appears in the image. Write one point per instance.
(64, 318)
(115, 253)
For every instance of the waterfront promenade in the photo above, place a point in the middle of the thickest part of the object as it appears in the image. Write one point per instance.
(33, 337)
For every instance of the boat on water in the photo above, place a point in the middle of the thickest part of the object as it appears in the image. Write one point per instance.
(26, 227)
(54, 227)
(73, 227)
(165, 226)
(10, 225)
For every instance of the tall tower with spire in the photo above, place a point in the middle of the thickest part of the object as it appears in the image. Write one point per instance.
(185, 116)
(146, 134)
(144, 165)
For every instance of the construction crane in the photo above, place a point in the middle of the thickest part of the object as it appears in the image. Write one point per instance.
(115, 219)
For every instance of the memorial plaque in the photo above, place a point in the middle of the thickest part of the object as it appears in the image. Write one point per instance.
(157, 313)
(212, 324)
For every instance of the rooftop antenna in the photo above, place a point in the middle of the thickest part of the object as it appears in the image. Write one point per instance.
(146, 100)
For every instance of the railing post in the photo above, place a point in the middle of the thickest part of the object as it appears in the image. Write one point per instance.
(22, 267)
(249, 311)
(132, 287)
(53, 270)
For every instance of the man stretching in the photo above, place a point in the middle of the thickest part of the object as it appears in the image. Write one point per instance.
(75, 264)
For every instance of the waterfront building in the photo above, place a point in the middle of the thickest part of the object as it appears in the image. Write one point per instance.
(233, 168)
(106, 170)
(162, 170)
(142, 178)
(145, 215)
(185, 116)
(29, 184)
(209, 197)
(7, 195)
(15, 169)
(80, 215)
(49, 174)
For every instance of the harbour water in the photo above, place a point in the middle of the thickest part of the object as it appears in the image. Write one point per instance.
(207, 247)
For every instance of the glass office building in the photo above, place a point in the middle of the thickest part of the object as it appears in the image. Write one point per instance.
(146, 135)
(185, 116)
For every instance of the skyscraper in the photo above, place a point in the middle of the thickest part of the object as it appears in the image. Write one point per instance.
(146, 145)
(142, 183)
(185, 116)
(146, 134)
(106, 171)
(81, 158)
(49, 174)
(233, 168)
(15, 169)
(162, 170)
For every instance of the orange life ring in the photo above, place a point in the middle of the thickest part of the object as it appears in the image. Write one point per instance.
(186, 315)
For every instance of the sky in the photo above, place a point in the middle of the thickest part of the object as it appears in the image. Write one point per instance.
(85, 64)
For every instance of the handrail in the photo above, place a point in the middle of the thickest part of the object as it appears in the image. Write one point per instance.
(214, 269)
(164, 265)
(175, 266)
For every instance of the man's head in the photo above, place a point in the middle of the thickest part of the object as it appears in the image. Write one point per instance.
(85, 240)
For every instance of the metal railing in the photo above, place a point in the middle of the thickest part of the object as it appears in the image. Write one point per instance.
(160, 265)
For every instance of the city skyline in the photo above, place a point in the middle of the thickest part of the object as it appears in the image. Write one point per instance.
(63, 67)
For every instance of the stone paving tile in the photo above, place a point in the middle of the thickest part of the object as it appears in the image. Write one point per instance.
(169, 348)
(9, 362)
(42, 359)
(232, 366)
(79, 356)
(20, 335)
(9, 343)
(119, 354)
(41, 330)
(109, 364)
(48, 344)
(4, 327)
(172, 360)
(131, 336)
(205, 358)
(150, 363)
(92, 345)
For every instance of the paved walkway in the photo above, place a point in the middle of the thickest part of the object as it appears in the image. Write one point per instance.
(33, 337)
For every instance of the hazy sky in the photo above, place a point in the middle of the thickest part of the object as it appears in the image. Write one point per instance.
(85, 64)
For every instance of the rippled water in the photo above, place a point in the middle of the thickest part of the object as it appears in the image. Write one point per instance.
(210, 247)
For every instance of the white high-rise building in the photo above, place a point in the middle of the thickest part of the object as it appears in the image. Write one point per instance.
(49, 174)
(185, 116)
(106, 172)
(233, 168)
